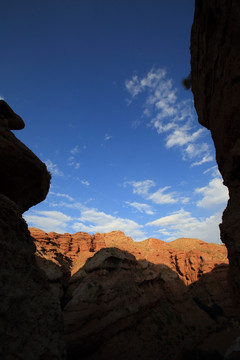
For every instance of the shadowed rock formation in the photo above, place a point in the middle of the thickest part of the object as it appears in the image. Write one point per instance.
(24, 178)
(139, 300)
(215, 74)
(30, 315)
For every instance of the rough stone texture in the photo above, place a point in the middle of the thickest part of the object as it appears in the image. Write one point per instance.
(215, 72)
(24, 178)
(150, 299)
(31, 323)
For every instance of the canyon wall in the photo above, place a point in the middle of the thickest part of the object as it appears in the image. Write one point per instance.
(215, 74)
(30, 315)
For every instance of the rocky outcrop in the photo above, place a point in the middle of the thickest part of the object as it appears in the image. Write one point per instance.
(215, 73)
(24, 178)
(189, 258)
(139, 299)
(30, 315)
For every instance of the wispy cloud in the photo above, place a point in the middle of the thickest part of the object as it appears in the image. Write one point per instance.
(72, 162)
(66, 196)
(107, 137)
(182, 224)
(158, 197)
(63, 204)
(141, 187)
(170, 116)
(213, 170)
(161, 196)
(53, 168)
(85, 182)
(74, 150)
(142, 208)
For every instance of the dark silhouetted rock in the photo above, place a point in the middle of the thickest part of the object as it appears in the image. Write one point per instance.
(31, 323)
(24, 178)
(215, 74)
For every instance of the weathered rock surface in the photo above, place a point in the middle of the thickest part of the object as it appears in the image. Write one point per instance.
(128, 300)
(31, 323)
(215, 73)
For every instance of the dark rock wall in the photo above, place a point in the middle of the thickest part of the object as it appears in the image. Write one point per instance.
(24, 178)
(30, 315)
(215, 73)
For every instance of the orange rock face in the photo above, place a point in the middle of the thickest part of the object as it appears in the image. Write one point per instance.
(189, 258)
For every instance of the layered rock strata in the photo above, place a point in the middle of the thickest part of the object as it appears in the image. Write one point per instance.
(215, 73)
(30, 315)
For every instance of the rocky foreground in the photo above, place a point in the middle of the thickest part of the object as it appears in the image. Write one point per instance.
(127, 300)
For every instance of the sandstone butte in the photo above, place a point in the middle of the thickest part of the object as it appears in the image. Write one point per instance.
(135, 300)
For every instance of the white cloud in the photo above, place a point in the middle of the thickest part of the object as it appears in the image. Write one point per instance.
(107, 137)
(66, 196)
(141, 187)
(215, 193)
(214, 170)
(73, 205)
(143, 208)
(181, 136)
(182, 224)
(75, 150)
(85, 182)
(48, 220)
(169, 115)
(53, 168)
(160, 196)
(93, 221)
(206, 158)
(72, 161)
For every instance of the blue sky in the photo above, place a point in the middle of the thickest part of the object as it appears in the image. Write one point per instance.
(98, 84)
